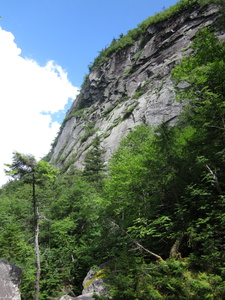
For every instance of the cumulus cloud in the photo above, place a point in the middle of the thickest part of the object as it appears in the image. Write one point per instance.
(29, 95)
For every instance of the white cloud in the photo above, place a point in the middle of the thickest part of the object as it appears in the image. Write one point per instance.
(26, 91)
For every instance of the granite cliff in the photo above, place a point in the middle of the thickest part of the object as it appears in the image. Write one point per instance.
(132, 86)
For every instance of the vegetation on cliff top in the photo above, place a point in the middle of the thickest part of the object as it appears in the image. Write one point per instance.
(129, 39)
(136, 33)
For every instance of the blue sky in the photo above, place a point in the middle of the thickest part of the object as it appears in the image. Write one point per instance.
(45, 49)
(71, 32)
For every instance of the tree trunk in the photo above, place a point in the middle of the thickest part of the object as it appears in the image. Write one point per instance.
(174, 252)
(36, 243)
(38, 263)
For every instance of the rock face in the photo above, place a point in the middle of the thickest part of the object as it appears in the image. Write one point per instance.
(133, 86)
(92, 284)
(9, 281)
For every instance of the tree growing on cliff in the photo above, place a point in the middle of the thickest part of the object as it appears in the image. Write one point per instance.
(93, 163)
(203, 73)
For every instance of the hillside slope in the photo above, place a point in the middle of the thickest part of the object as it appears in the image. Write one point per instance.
(131, 87)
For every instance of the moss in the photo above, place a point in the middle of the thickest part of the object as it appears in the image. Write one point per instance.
(94, 108)
(116, 123)
(110, 108)
(138, 94)
(99, 275)
(129, 71)
(76, 113)
(125, 98)
(88, 282)
(89, 131)
(106, 135)
(138, 54)
(88, 134)
(129, 111)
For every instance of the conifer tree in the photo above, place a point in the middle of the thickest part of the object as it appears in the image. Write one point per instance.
(93, 162)
(27, 168)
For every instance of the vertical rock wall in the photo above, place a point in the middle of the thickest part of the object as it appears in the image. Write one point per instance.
(134, 86)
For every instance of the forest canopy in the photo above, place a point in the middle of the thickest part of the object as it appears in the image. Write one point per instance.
(156, 213)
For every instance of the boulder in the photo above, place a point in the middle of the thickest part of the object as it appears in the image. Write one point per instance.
(81, 297)
(93, 283)
(9, 281)
(67, 297)
(87, 296)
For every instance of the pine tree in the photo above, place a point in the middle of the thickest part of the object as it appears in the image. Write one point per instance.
(27, 168)
(93, 162)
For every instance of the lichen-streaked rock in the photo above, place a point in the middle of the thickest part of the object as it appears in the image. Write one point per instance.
(93, 284)
(9, 281)
(133, 86)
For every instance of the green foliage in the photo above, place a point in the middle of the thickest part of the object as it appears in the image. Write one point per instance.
(84, 82)
(25, 166)
(166, 280)
(163, 194)
(77, 113)
(166, 188)
(203, 71)
(45, 173)
(133, 35)
(93, 163)
(22, 165)
(89, 131)
(129, 111)
(116, 122)
(110, 108)
(138, 94)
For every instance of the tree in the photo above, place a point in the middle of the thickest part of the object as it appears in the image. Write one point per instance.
(203, 73)
(27, 168)
(93, 162)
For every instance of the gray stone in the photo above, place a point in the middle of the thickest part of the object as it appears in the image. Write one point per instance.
(9, 281)
(94, 285)
(144, 66)
(87, 296)
(81, 297)
(67, 297)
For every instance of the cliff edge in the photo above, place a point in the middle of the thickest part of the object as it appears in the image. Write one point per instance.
(132, 86)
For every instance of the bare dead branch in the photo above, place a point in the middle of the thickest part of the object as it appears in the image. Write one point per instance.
(215, 179)
(137, 243)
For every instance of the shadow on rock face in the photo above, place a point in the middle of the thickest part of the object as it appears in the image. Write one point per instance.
(9, 281)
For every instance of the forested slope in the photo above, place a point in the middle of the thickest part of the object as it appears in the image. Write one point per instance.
(154, 213)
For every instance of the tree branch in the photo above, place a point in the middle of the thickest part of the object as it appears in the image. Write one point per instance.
(137, 243)
(215, 179)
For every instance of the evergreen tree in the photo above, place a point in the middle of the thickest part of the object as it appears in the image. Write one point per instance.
(204, 74)
(25, 167)
(93, 163)
(163, 198)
